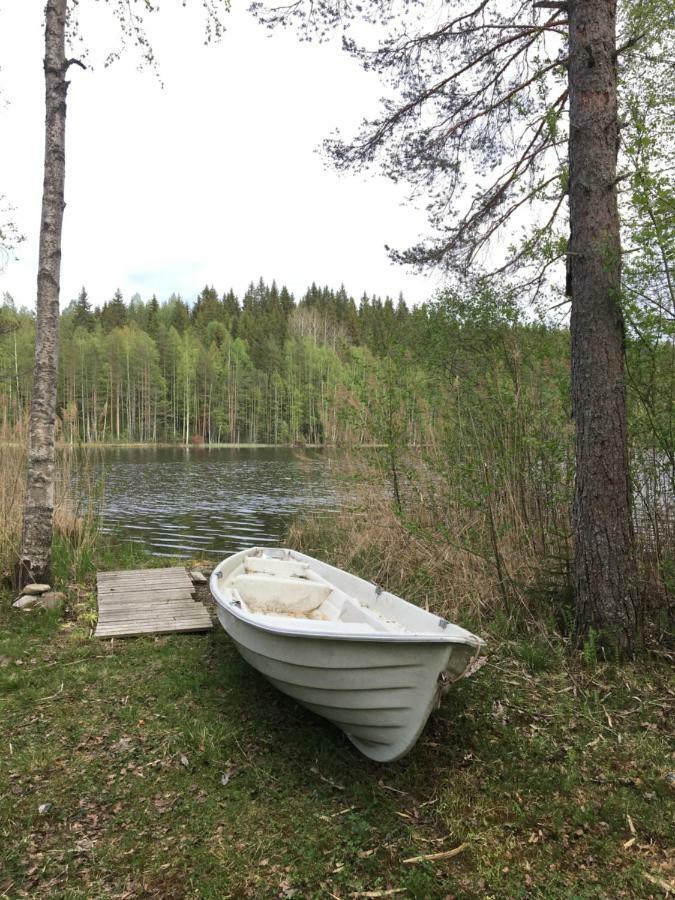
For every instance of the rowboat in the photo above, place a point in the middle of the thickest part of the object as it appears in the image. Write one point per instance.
(370, 662)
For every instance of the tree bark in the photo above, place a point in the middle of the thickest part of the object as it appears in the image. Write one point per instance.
(605, 572)
(34, 563)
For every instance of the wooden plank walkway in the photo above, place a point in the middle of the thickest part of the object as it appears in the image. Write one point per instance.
(148, 601)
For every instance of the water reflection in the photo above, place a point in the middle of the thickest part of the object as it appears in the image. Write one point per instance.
(197, 501)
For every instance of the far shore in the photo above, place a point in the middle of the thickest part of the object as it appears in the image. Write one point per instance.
(122, 445)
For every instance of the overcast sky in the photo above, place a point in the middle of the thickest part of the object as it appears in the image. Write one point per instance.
(213, 179)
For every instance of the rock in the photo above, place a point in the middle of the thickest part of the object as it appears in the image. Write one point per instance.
(198, 577)
(51, 599)
(36, 588)
(26, 602)
(670, 780)
(44, 808)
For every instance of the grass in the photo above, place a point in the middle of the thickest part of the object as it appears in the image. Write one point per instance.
(167, 768)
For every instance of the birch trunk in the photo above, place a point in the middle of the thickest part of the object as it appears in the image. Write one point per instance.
(34, 563)
(605, 571)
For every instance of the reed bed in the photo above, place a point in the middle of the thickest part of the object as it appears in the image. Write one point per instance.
(492, 551)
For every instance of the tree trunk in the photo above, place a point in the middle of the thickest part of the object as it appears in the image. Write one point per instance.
(35, 560)
(605, 570)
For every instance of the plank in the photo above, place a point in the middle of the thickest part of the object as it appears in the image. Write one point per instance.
(139, 630)
(146, 613)
(144, 619)
(118, 615)
(149, 585)
(149, 588)
(140, 571)
(148, 603)
(154, 576)
(133, 596)
(146, 596)
(151, 617)
(166, 626)
(165, 621)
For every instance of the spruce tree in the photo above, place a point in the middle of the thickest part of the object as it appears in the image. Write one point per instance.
(153, 316)
(82, 314)
(114, 313)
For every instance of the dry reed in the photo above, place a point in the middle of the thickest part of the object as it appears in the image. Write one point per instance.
(76, 502)
(460, 561)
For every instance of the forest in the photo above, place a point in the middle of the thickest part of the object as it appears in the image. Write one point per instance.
(466, 396)
(263, 369)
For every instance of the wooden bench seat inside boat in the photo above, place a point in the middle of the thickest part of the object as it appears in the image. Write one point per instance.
(288, 568)
(280, 595)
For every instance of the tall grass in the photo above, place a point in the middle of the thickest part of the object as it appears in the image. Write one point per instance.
(77, 507)
(475, 525)
(459, 562)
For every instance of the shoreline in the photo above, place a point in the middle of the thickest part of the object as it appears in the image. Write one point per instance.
(164, 445)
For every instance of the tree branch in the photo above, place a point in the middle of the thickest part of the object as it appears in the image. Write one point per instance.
(631, 42)
(551, 4)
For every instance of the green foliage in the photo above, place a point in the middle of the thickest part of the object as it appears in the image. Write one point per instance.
(466, 398)
(590, 648)
(537, 657)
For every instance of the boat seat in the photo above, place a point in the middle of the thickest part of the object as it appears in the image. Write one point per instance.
(289, 568)
(278, 595)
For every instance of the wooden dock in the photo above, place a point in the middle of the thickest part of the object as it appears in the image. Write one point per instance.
(148, 601)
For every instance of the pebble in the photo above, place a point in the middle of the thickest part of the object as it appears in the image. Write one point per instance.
(26, 601)
(36, 588)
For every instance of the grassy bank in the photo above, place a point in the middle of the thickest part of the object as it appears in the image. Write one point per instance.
(165, 767)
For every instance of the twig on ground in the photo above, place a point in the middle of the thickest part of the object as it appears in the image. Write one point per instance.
(445, 854)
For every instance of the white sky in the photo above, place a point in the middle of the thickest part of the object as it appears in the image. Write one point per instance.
(214, 179)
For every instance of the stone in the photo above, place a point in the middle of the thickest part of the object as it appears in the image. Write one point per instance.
(51, 599)
(36, 588)
(198, 577)
(26, 602)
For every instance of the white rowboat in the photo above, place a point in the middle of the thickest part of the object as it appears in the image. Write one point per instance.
(370, 662)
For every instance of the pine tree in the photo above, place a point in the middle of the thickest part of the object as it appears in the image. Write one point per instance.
(509, 86)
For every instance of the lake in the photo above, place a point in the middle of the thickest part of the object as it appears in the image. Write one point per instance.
(188, 502)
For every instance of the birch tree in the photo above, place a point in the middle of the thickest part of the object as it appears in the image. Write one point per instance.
(34, 561)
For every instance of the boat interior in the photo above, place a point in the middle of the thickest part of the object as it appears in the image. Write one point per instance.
(272, 584)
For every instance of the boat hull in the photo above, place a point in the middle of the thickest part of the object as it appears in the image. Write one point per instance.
(379, 693)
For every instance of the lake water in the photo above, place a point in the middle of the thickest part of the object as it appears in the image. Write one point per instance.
(195, 501)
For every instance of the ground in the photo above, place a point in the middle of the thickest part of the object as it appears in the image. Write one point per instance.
(165, 767)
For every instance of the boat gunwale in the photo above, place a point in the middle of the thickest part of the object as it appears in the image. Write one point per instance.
(378, 637)
(465, 638)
